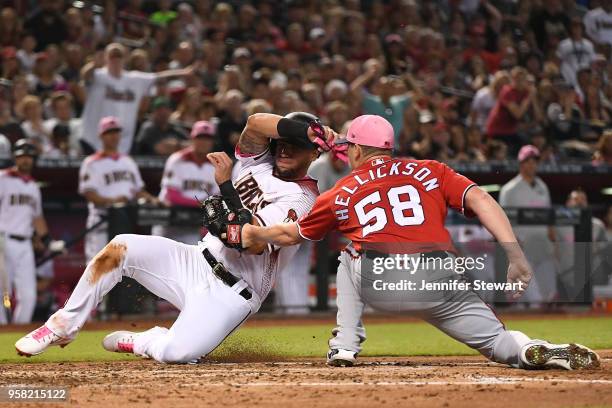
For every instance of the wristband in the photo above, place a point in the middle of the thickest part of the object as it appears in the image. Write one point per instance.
(228, 191)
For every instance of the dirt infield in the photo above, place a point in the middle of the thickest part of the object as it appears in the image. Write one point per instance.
(419, 382)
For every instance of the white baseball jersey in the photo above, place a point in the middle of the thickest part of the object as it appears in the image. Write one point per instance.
(271, 200)
(20, 203)
(184, 173)
(111, 96)
(110, 177)
(574, 55)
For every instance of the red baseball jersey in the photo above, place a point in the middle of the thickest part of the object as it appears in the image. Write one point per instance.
(390, 200)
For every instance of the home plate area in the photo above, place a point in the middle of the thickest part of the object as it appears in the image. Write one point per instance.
(418, 381)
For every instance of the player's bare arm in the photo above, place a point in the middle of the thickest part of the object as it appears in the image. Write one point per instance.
(261, 127)
(173, 73)
(40, 226)
(285, 234)
(494, 219)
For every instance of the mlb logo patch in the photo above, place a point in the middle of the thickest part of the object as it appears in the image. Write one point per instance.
(233, 234)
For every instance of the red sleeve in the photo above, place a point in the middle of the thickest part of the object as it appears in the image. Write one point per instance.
(454, 188)
(320, 220)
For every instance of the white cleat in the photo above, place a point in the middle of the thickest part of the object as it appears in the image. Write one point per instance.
(38, 340)
(120, 341)
(341, 358)
(567, 356)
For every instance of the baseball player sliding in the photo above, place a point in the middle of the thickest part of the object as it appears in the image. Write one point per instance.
(20, 217)
(216, 288)
(404, 201)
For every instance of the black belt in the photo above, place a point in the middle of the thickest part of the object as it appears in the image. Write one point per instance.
(431, 254)
(18, 237)
(223, 274)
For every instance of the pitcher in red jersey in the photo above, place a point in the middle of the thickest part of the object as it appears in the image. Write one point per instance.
(389, 201)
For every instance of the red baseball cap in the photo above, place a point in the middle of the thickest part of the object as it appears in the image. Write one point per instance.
(203, 128)
(527, 152)
(370, 130)
(108, 124)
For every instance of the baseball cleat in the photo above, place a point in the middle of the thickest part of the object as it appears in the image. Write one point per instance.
(341, 358)
(567, 356)
(120, 342)
(38, 340)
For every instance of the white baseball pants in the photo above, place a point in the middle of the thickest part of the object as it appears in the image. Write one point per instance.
(209, 309)
(20, 270)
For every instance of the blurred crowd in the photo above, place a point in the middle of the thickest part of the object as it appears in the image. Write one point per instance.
(462, 80)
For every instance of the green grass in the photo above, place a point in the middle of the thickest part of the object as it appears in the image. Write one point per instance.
(389, 339)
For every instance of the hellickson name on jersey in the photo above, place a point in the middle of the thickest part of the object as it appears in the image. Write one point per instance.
(391, 168)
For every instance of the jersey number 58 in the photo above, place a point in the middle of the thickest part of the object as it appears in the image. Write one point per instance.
(397, 209)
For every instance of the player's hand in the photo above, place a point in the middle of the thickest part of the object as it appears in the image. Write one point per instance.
(322, 136)
(519, 272)
(223, 166)
(98, 59)
(120, 200)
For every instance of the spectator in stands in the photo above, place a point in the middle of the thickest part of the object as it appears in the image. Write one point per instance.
(46, 24)
(30, 110)
(62, 112)
(188, 179)
(9, 28)
(5, 147)
(113, 91)
(485, 99)
(299, 57)
(511, 107)
(59, 144)
(527, 190)
(575, 52)
(497, 151)
(9, 126)
(70, 71)
(384, 97)
(550, 23)
(603, 152)
(10, 63)
(106, 178)
(563, 113)
(337, 113)
(159, 136)
(189, 109)
(598, 23)
(26, 54)
(231, 121)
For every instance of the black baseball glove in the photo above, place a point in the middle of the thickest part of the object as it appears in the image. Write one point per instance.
(224, 221)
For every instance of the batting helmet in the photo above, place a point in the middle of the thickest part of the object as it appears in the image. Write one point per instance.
(305, 143)
(23, 147)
